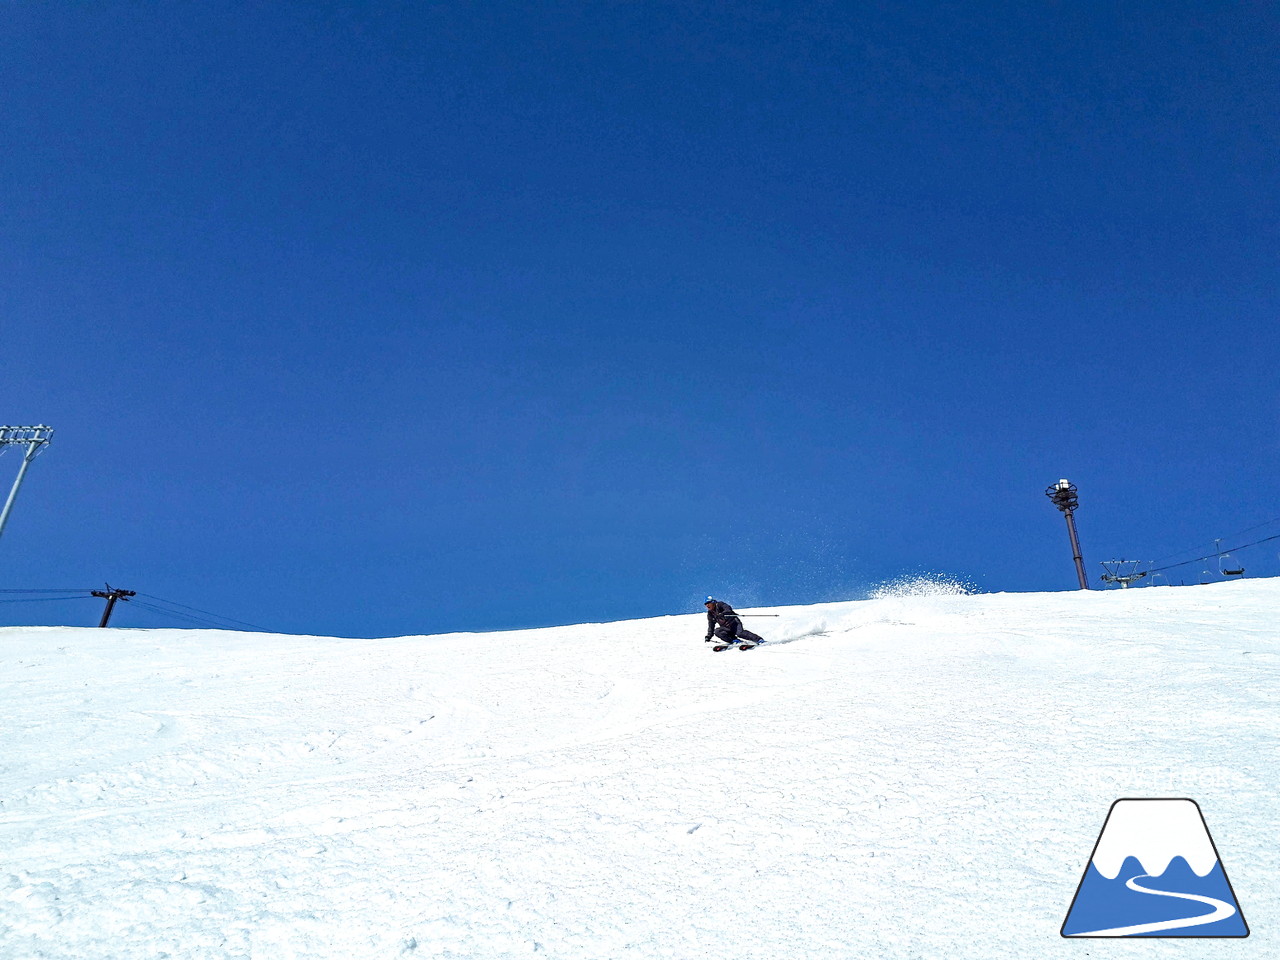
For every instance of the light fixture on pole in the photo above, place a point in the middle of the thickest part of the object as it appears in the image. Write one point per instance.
(1064, 497)
(34, 439)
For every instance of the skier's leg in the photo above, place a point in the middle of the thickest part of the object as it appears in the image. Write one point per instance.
(745, 634)
(724, 634)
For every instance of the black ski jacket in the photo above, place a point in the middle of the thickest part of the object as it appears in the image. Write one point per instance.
(721, 613)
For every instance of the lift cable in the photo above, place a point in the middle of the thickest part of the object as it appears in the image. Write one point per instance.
(1238, 533)
(217, 620)
(84, 591)
(178, 616)
(208, 613)
(1217, 553)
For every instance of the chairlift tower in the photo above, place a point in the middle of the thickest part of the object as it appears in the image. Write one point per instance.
(1123, 572)
(35, 439)
(111, 595)
(1065, 498)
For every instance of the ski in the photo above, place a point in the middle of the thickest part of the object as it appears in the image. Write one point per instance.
(741, 646)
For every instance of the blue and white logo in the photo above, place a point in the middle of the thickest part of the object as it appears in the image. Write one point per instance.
(1154, 873)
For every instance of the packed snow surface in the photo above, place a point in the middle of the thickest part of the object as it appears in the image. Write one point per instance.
(914, 776)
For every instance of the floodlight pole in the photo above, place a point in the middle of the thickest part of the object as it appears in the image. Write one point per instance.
(35, 439)
(1063, 495)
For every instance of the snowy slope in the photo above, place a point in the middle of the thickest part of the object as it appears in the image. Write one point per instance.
(903, 777)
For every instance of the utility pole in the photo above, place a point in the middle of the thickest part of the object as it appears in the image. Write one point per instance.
(111, 596)
(34, 439)
(1063, 495)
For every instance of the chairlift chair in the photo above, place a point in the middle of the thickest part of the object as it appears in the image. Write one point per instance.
(1228, 566)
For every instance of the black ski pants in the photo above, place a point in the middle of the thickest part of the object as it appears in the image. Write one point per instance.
(739, 632)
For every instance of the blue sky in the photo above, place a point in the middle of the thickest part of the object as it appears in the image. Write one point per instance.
(369, 320)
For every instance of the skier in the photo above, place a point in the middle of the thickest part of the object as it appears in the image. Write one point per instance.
(723, 623)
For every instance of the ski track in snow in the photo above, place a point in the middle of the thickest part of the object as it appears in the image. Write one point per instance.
(896, 778)
(1221, 910)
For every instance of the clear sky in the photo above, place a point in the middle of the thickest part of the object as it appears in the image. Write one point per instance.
(383, 319)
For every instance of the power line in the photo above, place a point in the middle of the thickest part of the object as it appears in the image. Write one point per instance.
(43, 599)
